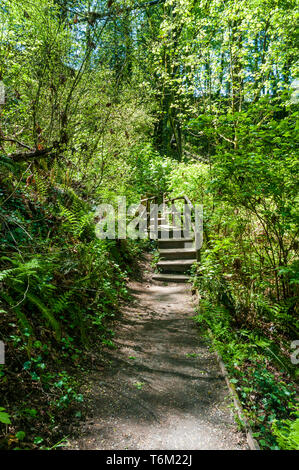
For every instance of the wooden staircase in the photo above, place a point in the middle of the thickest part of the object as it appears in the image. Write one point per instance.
(177, 250)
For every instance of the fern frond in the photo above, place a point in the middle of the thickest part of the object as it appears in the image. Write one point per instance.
(46, 313)
(6, 273)
(41, 186)
(7, 163)
(61, 303)
(75, 221)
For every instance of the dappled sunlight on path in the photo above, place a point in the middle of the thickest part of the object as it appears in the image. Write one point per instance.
(163, 388)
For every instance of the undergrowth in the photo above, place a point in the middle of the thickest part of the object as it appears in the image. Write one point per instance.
(260, 370)
(60, 288)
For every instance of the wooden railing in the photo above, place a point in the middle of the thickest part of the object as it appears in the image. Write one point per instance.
(192, 210)
(147, 204)
(147, 201)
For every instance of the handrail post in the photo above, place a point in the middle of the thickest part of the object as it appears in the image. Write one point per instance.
(197, 249)
(147, 201)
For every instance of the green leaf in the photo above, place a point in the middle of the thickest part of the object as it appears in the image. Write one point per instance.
(4, 417)
(20, 435)
(38, 440)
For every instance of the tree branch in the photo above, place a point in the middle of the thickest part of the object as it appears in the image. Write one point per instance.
(94, 16)
(15, 141)
(33, 154)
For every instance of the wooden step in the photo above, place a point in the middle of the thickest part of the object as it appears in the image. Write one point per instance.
(166, 232)
(181, 265)
(177, 253)
(170, 277)
(173, 243)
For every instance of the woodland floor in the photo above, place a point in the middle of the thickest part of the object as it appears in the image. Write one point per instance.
(162, 387)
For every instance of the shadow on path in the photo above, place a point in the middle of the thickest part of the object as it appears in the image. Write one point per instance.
(163, 388)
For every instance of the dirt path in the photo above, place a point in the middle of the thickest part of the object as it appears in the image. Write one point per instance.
(163, 389)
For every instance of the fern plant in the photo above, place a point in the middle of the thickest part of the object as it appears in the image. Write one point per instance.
(75, 220)
(18, 281)
(41, 186)
(287, 433)
(43, 309)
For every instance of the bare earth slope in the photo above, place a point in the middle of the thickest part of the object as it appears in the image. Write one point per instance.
(163, 389)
